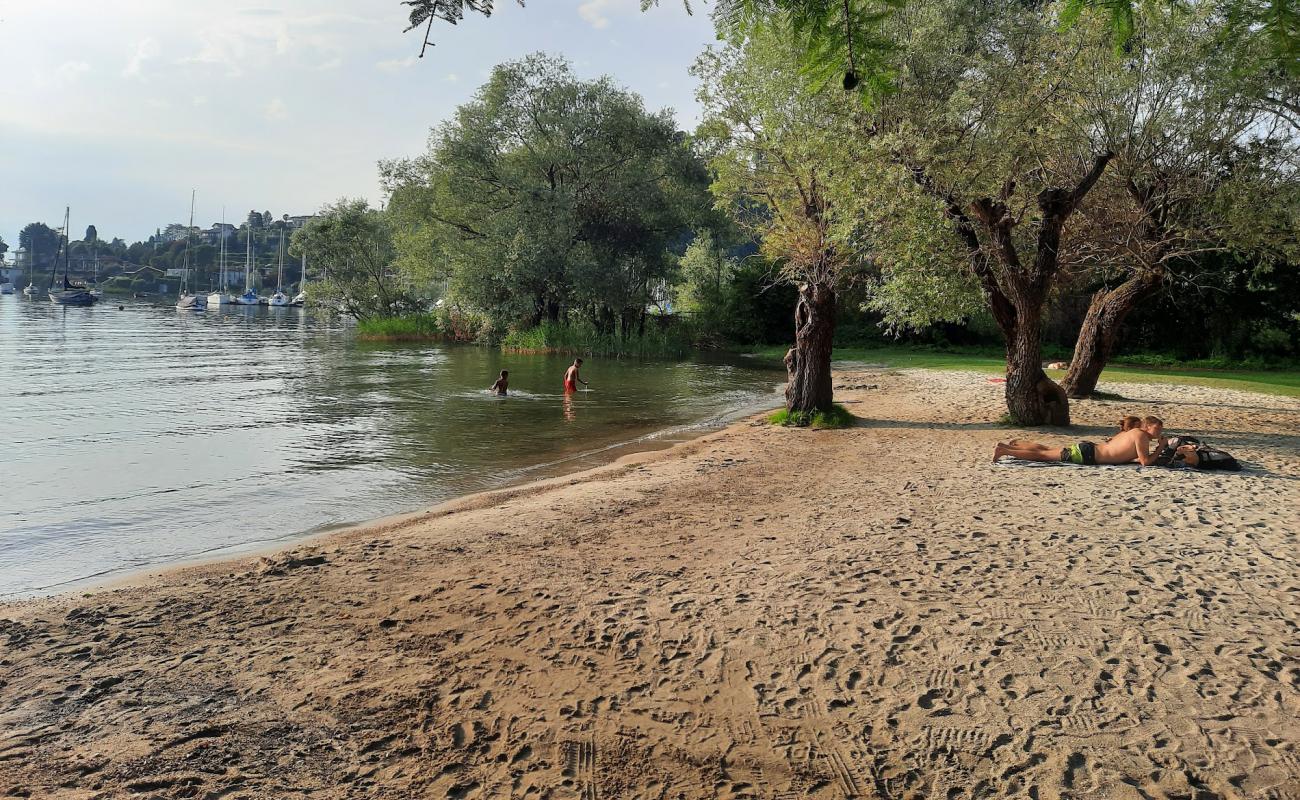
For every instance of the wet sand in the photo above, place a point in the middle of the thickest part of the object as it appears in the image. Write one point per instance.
(769, 613)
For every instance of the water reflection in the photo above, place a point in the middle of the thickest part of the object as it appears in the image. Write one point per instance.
(145, 435)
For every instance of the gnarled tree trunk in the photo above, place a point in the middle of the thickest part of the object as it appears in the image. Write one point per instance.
(1106, 313)
(808, 363)
(1024, 369)
(1016, 291)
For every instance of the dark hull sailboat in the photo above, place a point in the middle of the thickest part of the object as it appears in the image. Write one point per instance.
(71, 293)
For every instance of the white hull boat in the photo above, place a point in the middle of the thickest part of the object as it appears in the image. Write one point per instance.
(6, 288)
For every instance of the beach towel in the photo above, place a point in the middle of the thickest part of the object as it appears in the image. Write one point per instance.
(1008, 461)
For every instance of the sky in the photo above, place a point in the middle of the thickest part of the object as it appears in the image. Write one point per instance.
(118, 108)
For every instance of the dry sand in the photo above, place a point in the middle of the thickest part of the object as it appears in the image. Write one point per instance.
(763, 612)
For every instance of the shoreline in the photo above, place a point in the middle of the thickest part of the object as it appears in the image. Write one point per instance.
(662, 440)
(758, 612)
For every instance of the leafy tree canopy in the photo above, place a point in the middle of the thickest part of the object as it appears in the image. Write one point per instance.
(546, 196)
(351, 246)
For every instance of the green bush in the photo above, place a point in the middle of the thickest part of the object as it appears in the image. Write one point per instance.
(837, 417)
(666, 339)
(443, 324)
(411, 327)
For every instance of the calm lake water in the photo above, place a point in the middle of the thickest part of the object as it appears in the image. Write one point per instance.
(143, 436)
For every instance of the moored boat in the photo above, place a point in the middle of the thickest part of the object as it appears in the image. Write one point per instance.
(187, 301)
(69, 293)
(249, 297)
(279, 299)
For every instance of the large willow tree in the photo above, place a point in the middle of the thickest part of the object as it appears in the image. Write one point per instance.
(548, 198)
(1205, 170)
(778, 151)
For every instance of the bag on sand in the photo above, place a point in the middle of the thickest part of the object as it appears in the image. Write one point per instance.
(1168, 455)
(1213, 458)
(1209, 458)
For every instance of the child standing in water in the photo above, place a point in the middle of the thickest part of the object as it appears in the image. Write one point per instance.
(502, 383)
(572, 378)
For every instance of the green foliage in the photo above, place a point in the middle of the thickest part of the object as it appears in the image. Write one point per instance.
(780, 151)
(352, 244)
(672, 340)
(41, 241)
(547, 198)
(408, 327)
(837, 417)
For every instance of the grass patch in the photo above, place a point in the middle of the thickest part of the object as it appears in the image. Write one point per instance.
(581, 339)
(837, 417)
(408, 328)
(1276, 382)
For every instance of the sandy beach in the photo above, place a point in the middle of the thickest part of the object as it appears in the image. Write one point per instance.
(767, 613)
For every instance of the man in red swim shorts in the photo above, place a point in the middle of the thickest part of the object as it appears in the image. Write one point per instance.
(571, 377)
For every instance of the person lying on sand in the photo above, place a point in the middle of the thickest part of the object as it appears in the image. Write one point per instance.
(502, 384)
(572, 378)
(1131, 445)
(1126, 423)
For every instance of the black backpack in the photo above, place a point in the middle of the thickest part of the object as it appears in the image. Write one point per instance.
(1206, 457)
(1213, 458)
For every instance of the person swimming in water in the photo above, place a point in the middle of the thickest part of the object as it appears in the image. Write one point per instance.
(572, 378)
(499, 388)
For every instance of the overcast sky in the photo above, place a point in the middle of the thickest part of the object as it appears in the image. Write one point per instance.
(119, 107)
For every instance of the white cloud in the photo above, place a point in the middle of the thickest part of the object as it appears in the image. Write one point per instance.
(276, 109)
(70, 71)
(451, 77)
(396, 64)
(146, 49)
(593, 11)
(326, 66)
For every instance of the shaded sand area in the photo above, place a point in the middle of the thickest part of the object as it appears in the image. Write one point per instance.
(763, 613)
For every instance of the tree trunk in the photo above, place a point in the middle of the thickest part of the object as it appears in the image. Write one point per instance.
(808, 363)
(1106, 313)
(1032, 397)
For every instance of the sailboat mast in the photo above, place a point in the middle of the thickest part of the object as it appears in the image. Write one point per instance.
(54, 263)
(67, 244)
(279, 277)
(223, 249)
(185, 269)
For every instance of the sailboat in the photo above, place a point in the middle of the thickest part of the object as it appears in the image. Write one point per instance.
(187, 301)
(222, 296)
(300, 299)
(30, 290)
(94, 286)
(72, 293)
(249, 297)
(279, 300)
